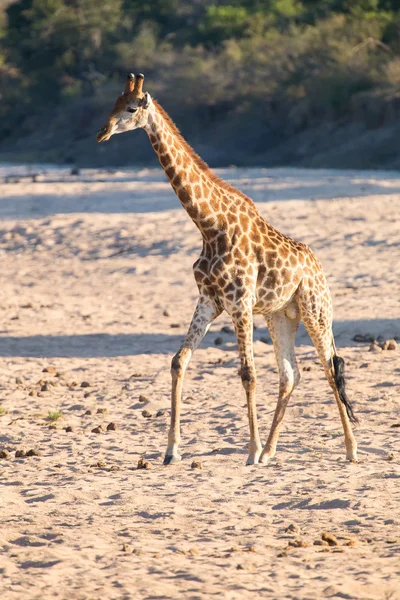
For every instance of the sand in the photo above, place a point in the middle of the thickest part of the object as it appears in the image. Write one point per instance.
(96, 285)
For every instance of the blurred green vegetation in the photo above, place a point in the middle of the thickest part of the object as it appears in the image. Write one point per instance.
(251, 81)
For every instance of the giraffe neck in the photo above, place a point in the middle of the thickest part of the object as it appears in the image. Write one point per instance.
(198, 190)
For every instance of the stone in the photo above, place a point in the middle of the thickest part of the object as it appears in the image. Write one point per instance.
(327, 536)
(218, 341)
(111, 427)
(33, 453)
(20, 454)
(292, 528)
(85, 384)
(69, 429)
(374, 347)
(147, 414)
(143, 398)
(143, 464)
(3, 454)
(50, 369)
(196, 464)
(98, 429)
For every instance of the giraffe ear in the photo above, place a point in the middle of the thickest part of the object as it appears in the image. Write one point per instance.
(145, 101)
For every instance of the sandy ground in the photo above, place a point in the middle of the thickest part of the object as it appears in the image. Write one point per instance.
(96, 283)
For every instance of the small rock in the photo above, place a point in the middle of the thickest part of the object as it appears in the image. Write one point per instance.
(196, 464)
(136, 375)
(19, 380)
(98, 429)
(86, 394)
(88, 412)
(32, 393)
(374, 347)
(299, 543)
(327, 536)
(72, 384)
(364, 366)
(147, 414)
(50, 369)
(218, 341)
(3, 454)
(69, 429)
(101, 411)
(292, 528)
(227, 330)
(60, 375)
(85, 384)
(143, 464)
(33, 453)
(165, 313)
(351, 543)
(265, 340)
(389, 345)
(390, 456)
(320, 543)
(160, 413)
(45, 388)
(127, 548)
(20, 454)
(174, 325)
(75, 171)
(111, 427)
(395, 425)
(143, 398)
(359, 338)
(52, 427)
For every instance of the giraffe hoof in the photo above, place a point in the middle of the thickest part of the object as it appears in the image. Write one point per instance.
(173, 459)
(264, 460)
(252, 459)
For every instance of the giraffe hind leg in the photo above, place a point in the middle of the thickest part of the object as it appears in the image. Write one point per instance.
(317, 319)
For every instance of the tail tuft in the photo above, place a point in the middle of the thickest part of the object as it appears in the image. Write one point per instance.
(338, 367)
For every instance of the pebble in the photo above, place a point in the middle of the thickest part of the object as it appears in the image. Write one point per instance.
(101, 411)
(389, 345)
(45, 388)
(147, 414)
(86, 394)
(227, 330)
(364, 366)
(111, 427)
(327, 536)
(3, 454)
(196, 464)
(127, 548)
(143, 464)
(69, 429)
(143, 398)
(32, 393)
(218, 341)
(33, 453)
(374, 347)
(174, 325)
(98, 429)
(20, 454)
(85, 384)
(49, 369)
(320, 543)
(165, 313)
(299, 543)
(160, 413)
(292, 528)
(19, 380)
(88, 412)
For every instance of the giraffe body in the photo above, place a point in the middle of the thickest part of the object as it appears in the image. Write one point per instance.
(246, 267)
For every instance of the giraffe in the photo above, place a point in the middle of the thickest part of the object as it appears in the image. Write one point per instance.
(246, 267)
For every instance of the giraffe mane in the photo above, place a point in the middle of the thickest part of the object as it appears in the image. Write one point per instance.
(199, 162)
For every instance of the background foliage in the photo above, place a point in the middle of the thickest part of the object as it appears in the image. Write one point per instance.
(250, 81)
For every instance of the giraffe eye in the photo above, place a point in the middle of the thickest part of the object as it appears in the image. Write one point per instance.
(131, 110)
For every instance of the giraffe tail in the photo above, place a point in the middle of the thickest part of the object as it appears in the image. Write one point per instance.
(338, 376)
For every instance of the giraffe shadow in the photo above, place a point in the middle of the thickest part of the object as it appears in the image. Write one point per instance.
(99, 345)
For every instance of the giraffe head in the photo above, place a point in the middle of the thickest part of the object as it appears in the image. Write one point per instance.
(130, 110)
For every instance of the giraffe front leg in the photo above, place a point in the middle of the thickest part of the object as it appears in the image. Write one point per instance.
(243, 322)
(205, 313)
